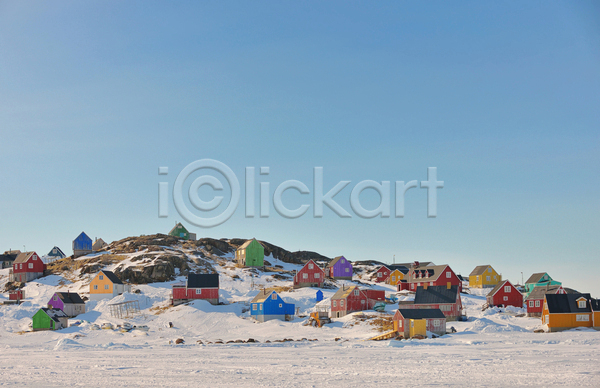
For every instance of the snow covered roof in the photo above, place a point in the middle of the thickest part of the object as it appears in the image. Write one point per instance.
(54, 314)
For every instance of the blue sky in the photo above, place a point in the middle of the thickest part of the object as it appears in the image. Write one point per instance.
(502, 98)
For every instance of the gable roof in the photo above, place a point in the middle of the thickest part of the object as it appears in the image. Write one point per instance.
(499, 286)
(421, 313)
(178, 225)
(434, 271)
(9, 256)
(342, 293)
(70, 297)
(263, 295)
(99, 244)
(112, 277)
(23, 257)
(59, 252)
(245, 245)
(54, 314)
(538, 292)
(536, 277)
(567, 303)
(334, 261)
(84, 236)
(309, 262)
(479, 270)
(203, 280)
(436, 295)
(402, 268)
(421, 264)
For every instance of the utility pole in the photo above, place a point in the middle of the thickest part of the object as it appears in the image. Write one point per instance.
(522, 279)
(394, 260)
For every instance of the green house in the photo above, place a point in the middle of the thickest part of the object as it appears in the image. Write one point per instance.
(251, 254)
(49, 319)
(180, 231)
(539, 279)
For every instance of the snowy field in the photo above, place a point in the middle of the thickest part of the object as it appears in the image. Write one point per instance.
(493, 348)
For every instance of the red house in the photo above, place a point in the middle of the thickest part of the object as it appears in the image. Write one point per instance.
(431, 275)
(198, 286)
(505, 294)
(446, 298)
(311, 275)
(535, 300)
(350, 299)
(382, 274)
(27, 266)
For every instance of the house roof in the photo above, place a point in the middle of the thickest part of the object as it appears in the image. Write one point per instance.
(83, 235)
(60, 252)
(262, 296)
(54, 314)
(9, 256)
(421, 313)
(434, 271)
(567, 303)
(499, 286)
(23, 257)
(536, 277)
(70, 297)
(436, 295)
(539, 291)
(479, 270)
(245, 245)
(99, 244)
(421, 264)
(112, 277)
(203, 280)
(334, 261)
(342, 293)
(402, 268)
(177, 226)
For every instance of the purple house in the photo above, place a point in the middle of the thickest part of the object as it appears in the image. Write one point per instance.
(69, 302)
(339, 268)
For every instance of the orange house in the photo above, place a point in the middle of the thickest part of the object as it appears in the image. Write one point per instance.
(567, 311)
(106, 285)
(396, 276)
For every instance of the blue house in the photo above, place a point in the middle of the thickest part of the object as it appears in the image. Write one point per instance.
(82, 245)
(268, 305)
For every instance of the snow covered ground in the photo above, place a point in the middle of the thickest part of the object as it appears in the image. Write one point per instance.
(493, 348)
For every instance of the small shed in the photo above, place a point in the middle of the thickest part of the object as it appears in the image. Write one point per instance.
(69, 302)
(180, 231)
(319, 296)
(49, 319)
(98, 245)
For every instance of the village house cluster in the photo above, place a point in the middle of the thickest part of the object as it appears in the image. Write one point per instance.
(437, 291)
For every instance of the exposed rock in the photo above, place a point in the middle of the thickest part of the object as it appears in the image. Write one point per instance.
(179, 341)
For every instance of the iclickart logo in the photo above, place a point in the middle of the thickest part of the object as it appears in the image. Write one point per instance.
(200, 217)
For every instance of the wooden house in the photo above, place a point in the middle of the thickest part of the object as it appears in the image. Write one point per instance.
(27, 266)
(69, 302)
(435, 321)
(311, 275)
(269, 305)
(16, 295)
(568, 311)
(505, 294)
(250, 254)
(484, 276)
(8, 258)
(398, 274)
(381, 274)
(351, 298)
(98, 245)
(180, 231)
(197, 286)
(106, 285)
(82, 245)
(56, 254)
(446, 298)
(49, 319)
(339, 268)
(535, 300)
(431, 275)
(539, 279)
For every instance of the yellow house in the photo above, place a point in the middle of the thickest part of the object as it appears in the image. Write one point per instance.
(395, 277)
(567, 311)
(106, 285)
(484, 276)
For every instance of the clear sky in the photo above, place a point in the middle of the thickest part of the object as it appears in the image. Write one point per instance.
(503, 98)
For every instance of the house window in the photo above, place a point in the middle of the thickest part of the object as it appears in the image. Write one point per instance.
(20, 266)
(260, 307)
(505, 298)
(495, 277)
(334, 303)
(106, 286)
(530, 303)
(34, 257)
(487, 278)
(347, 269)
(537, 303)
(55, 297)
(280, 305)
(198, 291)
(581, 304)
(317, 275)
(582, 318)
(489, 270)
(95, 286)
(547, 320)
(304, 276)
(379, 274)
(418, 284)
(393, 278)
(30, 265)
(341, 303)
(356, 292)
(101, 277)
(507, 289)
(400, 323)
(477, 278)
(342, 261)
(254, 307)
(436, 322)
(310, 266)
(274, 296)
(448, 275)
(431, 283)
